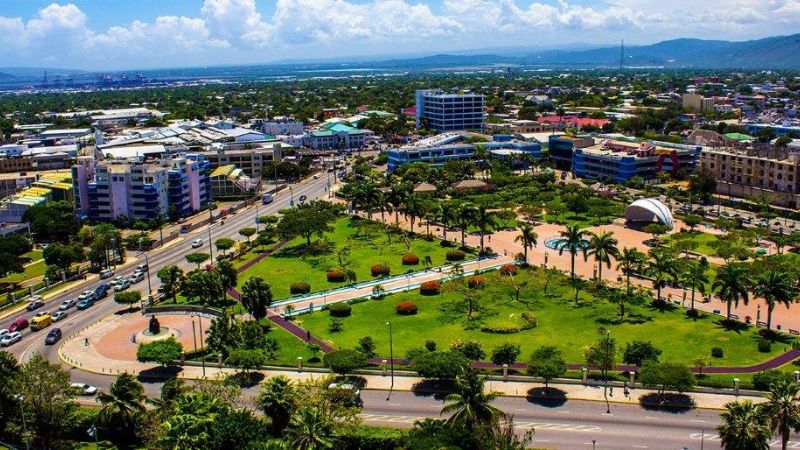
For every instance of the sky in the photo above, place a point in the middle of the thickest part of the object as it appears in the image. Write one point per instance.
(139, 34)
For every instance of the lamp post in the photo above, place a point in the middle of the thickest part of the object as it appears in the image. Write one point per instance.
(210, 248)
(291, 196)
(21, 400)
(391, 361)
(203, 359)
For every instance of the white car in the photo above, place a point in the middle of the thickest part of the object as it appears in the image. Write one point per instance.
(122, 285)
(197, 243)
(84, 389)
(117, 279)
(3, 332)
(67, 304)
(41, 313)
(10, 338)
(86, 294)
(136, 277)
(106, 273)
(59, 315)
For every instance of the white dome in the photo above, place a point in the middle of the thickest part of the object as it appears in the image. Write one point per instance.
(649, 210)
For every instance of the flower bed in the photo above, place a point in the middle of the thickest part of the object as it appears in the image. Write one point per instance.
(406, 308)
(430, 288)
(380, 270)
(410, 259)
(508, 269)
(335, 276)
(476, 282)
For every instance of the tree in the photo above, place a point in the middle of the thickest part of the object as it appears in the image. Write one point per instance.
(278, 400)
(774, 287)
(52, 222)
(692, 220)
(547, 362)
(732, 284)
(466, 215)
(224, 244)
(703, 184)
(256, 297)
(505, 354)
(344, 361)
(639, 353)
(676, 377)
(63, 256)
(485, 220)
(602, 354)
(694, 277)
(782, 409)
(574, 241)
(247, 232)
(122, 405)
(307, 220)
(129, 298)
(439, 365)
(12, 248)
(9, 370)
(527, 237)
(470, 406)
(172, 278)
(228, 275)
(631, 260)
(656, 229)
(311, 429)
(223, 333)
(470, 349)
(661, 268)
(603, 247)
(162, 352)
(197, 258)
(744, 427)
(246, 359)
(366, 346)
(193, 417)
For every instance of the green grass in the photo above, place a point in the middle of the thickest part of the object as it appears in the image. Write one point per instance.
(560, 323)
(705, 242)
(36, 269)
(369, 245)
(582, 220)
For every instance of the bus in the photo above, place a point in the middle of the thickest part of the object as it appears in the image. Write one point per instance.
(41, 322)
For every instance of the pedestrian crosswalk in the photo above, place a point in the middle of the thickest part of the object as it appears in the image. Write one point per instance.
(526, 425)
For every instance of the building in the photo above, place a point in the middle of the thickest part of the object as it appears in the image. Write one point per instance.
(439, 149)
(518, 126)
(781, 129)
(649, 210)
(561, 149)
(16, 164)
(697, 103)
(121, 117)
(444, 112)
(337, 136)
(619, 161)
(230, 181)
(282, 126)
(250, 158)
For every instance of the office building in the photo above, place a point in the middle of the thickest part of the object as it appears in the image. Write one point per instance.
(231, 181)
(250, 158)
(697, 103)
(619, 160)
(282, 126)
(338, 136)
(444, 112)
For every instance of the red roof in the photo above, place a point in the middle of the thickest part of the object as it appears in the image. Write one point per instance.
(362, 108)
(411, 111)
(572, 121)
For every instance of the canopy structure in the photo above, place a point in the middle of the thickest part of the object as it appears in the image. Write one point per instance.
(649, 210)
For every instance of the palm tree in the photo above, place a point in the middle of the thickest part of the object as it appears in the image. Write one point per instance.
(732, 284)
(122, 404)
(256, 297)
(528, 237)
(171, 279)
(744, 427)
(447, 215)
(774, 287)
(485, 220)
(466, 216)
(470, 405)
(277, 400)
(631, 261)
(694, 277)
(397, 197)
(661, 267)
(603, 246)
(412, 206)
(309, 429)
(783, 409)
(573, 240)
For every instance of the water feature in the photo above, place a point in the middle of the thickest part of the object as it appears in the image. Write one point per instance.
(558, 243)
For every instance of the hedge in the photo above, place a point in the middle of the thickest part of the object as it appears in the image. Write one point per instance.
(339, 309)
(299, 287)
(430, 288)
(406, 308)
(530, 323)
(475, 282)
(410, 259)
(508, 269)
(762, 380)
(455, 255)
(364, 437)
(380, 270)
(336, 276)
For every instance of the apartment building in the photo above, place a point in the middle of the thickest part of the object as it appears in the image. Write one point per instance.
(444, 112)
(250, 158)
(282, 126)
(698, 103)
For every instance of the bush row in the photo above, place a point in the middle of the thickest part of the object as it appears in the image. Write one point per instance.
(530, 323)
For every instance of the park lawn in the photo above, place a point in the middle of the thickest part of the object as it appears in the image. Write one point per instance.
(705, 242)
(290, 347)
(369, 244)
(560, 323)
(34, 269)
(582, 220)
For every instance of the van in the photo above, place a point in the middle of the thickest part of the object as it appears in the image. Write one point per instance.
(41, 322)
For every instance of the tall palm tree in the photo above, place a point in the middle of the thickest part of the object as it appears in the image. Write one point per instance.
(603, 246)
(277, 400)
(783, 409)
(256, 297)
(694, 277)
(397, 197)
(412, 206)
(310, 429)
(631, 261)
(194, 414)
(123, 402)
(447, 215)
(466, 216)
(485, 220)
(774, 287)
(662, 267)
(470, 405)
(732, 284)
(528, 237)
(574, 241)
(744, 427)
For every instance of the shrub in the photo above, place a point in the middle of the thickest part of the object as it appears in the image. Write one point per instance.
(429, 288)
(336, 276)
(380, 270)
(501, 329)
(371, 437)
(508, 269)
(762, 380)
(470, 349)
(456, 255)
(530, 319)
(299, 287)
(339, 309)
(692, 313)
(410, 259)
(764, 346)
(717, 352)
(476, 281)
(406, 308)
(430, 345)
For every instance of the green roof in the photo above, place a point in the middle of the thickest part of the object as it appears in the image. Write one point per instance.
(739, 137)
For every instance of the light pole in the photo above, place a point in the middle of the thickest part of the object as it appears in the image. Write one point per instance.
(291, 196)
(203, 359)
(21, 400)
(210, 248)
(256, 216)
(391, 361)
(149, 286)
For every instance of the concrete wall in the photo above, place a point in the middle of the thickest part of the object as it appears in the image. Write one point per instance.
(776, 198)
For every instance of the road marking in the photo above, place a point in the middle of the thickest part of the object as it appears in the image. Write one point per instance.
(536, 425)
(639, 446)
(697, 420)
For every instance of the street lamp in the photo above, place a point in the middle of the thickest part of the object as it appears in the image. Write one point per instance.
(21, 399)
(291, 196)
(391, 361)
(210, 248)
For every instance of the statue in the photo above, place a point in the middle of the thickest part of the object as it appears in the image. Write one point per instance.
(154, 326)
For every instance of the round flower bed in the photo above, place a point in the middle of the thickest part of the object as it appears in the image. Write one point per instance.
(336, 276)
(339, 309)
(406, 308)
(508, 269)
(410, 259)
(456, 255)
(299, 287)
(380, 270)
(475, 282)
(430, 288)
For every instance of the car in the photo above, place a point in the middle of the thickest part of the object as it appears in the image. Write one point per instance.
(316, 176)
(10, 338)
(106, 273)
(59, 315)
(53, 336)
(141, 268)
(41, 314)
(34, 304)
(3, 332)
(17, 325)
(86, 303)
(117, 279)
(67, 304)
(197, 243)
(85, 295)
(83, 388)
(346, 394)
(101, 290)
(122, 285)
(136, 277)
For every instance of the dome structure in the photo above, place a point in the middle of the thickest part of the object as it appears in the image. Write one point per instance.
(649, 210)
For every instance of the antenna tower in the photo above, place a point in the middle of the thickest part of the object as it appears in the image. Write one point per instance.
(622, 54)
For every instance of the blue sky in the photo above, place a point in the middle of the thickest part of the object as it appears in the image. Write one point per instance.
(123, 34)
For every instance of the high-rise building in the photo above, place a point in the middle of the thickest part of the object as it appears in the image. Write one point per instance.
(443, 112)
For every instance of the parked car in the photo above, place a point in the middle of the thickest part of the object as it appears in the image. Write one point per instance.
(34, 304)
(67, 304)
(10, 338)
(84, 389)
(122, 285)
(83, 304)
(197, 243)
(85, 295)
(53, 336)
(59, 315)
(136, 277)
(101, 291)
(18, 325)
(142, 267)
(106, 273)
(3, 332)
